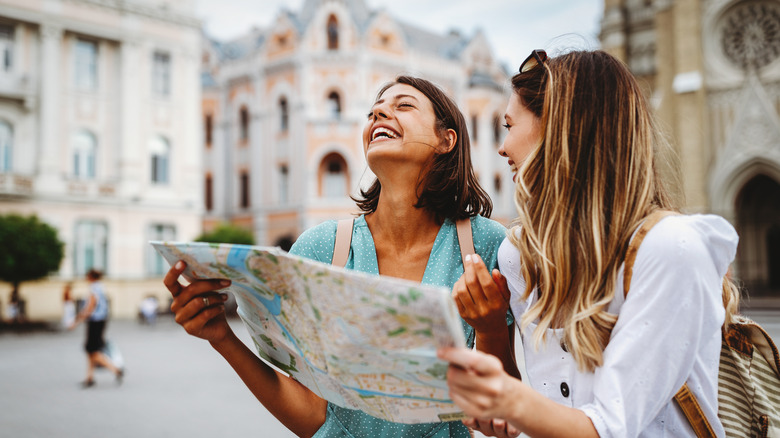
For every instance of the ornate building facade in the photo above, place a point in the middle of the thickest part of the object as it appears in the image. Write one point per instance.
(284, 107)
(99, 109)
(712, 71)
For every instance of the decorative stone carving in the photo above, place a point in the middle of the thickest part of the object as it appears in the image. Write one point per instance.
(751, 34)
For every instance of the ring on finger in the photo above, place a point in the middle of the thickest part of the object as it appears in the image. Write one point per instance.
(206, 301)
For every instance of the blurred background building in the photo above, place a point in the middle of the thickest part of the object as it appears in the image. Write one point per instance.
(712, 71)
(284, 108)
(99, 109)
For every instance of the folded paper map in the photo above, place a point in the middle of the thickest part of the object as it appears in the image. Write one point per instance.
(360, 341)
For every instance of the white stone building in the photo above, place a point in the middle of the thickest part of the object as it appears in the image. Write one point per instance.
(99, 116)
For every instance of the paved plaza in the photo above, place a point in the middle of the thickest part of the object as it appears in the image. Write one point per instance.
(175, 386)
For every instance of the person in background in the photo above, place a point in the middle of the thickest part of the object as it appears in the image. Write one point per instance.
(68, 306)
(582, 144)
(95, 312)
(416, 142)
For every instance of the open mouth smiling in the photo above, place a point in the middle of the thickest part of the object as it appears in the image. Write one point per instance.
(383, 133)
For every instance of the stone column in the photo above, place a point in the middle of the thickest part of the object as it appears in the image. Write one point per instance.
(130, 163)
(52, 150)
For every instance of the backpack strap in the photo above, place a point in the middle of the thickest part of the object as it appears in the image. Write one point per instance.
(692, 411)
(633, 247)
(343, 242)
(465, 238)
(684, 397)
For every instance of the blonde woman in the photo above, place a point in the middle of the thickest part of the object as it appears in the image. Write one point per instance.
(581, 142)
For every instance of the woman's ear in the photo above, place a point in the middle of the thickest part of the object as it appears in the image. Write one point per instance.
(450, 140)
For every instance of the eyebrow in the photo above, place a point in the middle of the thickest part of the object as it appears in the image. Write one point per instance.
(397, 97)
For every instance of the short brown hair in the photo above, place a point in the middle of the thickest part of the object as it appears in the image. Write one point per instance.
(449, 189)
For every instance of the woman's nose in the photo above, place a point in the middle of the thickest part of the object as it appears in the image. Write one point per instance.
(501, 151)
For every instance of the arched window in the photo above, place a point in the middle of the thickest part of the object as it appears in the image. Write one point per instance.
(160, 150)
(284, 184)
(84, 151)
(333, 176)
(333, 33)
(6, 146)
(497, 182)
(208, 125)
(284, 114)
(243, 116)
(208, 192)
(334, 105)
(244, 200)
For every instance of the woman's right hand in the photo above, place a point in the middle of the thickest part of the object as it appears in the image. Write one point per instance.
(198, 307)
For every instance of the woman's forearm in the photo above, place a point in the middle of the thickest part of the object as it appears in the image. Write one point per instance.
(299, 409)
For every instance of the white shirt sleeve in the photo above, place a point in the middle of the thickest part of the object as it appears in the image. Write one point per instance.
(670, 320)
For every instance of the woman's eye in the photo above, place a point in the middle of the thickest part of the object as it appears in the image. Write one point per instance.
(507, 125)
(404, 104)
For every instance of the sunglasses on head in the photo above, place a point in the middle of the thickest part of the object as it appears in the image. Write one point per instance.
(536, 57)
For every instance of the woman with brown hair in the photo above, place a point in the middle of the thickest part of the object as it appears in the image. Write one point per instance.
(416, 143)
(600, 361)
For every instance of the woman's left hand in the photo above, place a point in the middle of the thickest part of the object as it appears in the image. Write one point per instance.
(479, 385)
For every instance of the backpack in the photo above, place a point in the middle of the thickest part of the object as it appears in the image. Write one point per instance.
(748, 375)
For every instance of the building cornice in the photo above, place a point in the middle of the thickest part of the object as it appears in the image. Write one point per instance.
(131, 7)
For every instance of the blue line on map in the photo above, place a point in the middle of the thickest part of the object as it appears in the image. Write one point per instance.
(383, 394)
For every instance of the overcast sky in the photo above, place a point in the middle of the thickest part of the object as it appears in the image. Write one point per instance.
(513, 27)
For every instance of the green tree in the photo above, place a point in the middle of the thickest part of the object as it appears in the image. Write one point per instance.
(30, 250)
(228, 233)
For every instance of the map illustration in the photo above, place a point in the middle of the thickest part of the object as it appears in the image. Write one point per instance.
(357, 340)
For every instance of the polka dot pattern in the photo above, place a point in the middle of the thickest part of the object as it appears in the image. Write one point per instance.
(444, 268)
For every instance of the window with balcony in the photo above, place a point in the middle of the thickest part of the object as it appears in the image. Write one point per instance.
(6, 146)
(284, 184)
(156, 264)
(86, 74)
(161, 74)
(160, 150)
(6, 47)
(334, 106)
(243, 116)
(244, 186)
(84, 152)
(90, 248)
(284, 115)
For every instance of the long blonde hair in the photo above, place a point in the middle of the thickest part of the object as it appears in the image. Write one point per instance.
(582, 193)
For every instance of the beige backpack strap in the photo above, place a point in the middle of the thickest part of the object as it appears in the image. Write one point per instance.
(692, 411)
(465, 239)
(633, 246)
(343, 242)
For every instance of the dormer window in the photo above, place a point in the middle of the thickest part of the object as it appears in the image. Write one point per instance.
(333, 33)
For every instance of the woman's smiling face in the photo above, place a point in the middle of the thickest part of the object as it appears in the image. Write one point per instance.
(523, 134)
(401, 125)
